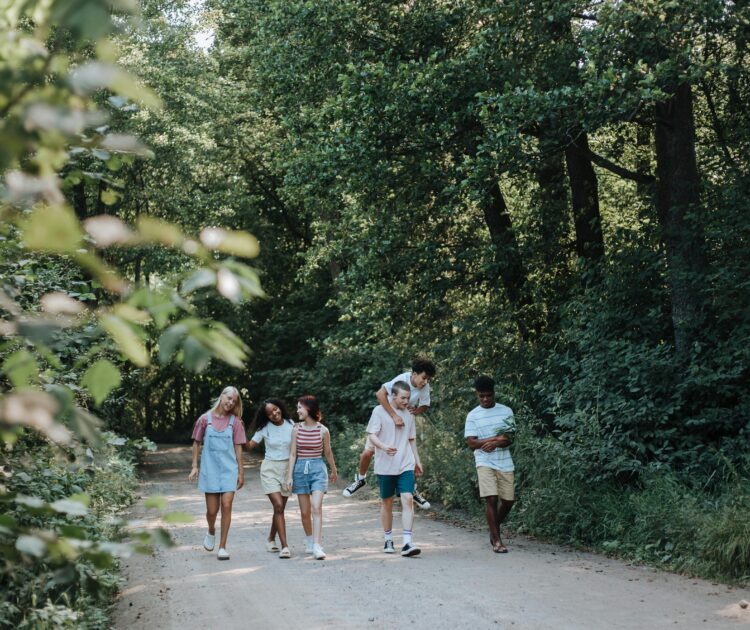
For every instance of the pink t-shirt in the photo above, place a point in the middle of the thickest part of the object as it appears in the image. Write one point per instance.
(382, 425)
(219, 423)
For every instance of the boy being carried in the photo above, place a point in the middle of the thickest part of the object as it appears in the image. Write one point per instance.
(396, 463)
(422, 370)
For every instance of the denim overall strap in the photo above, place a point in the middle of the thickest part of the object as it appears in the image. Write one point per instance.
(219, 469)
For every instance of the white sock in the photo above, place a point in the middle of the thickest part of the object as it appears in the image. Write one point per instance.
(309, 540)
(361, 477)
(388, 535)
(407, 536)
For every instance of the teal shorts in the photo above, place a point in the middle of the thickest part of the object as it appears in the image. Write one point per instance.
(396, 484)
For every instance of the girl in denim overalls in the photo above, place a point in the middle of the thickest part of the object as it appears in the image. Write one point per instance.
(221, 474)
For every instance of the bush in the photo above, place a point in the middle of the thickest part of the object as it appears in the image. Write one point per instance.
(56, 572)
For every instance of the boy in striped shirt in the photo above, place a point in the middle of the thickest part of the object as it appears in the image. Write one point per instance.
(487, 431)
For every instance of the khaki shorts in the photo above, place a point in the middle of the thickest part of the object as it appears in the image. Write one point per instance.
(273, 475)
(495, 483)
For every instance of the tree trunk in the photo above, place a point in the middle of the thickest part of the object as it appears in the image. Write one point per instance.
(79, 200)
(678, 202)
(584, 189)
(552, 206)
(506, 253)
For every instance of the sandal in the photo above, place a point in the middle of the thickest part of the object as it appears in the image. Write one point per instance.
(285, 553)
(499, 547)
(272, 546)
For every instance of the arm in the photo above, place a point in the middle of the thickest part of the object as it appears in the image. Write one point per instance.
(250, 445)
(382, 396)
(329, 454)
(488, 444)
(415, 411)
(240, 466)
(378, 443)
(194, 470)
(292, 457)
(418, 470)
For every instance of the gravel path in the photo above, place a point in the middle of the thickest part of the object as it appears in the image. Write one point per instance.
(456, 583)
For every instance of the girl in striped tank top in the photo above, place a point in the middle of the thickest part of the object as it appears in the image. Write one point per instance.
(307, 475)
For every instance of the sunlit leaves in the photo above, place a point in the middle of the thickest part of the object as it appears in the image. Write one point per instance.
(100, 379)
(52, 229)
(234, 243)
(126, 338)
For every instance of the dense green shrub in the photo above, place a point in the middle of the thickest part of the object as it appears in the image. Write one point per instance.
(71, 583)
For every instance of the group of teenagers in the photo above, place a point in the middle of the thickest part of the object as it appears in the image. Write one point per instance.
(294, 460)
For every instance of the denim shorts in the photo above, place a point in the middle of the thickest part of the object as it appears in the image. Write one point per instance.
(310, 475)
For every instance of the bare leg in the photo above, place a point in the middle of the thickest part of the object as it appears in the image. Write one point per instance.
(502, 511)
(364, 461)
(490, 513)
(226, 517)
(305, 513)
(386, 514)
(279, 524)
(317, 516)
(212, 509)
(407, 510)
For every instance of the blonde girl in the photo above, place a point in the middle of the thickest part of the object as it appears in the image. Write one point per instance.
(221, 434)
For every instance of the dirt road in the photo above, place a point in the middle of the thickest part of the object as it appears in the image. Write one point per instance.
(456, 583)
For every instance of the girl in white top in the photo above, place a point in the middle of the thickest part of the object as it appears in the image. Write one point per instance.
(273, 425)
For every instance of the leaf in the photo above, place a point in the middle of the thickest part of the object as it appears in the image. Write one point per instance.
(52, 229)
(59, 303)
(126, 339)
(228, 285)
(21, 368)
(230, 242)
(100, 379)
(69, 506)
(170, 340)
(95, 75)
(31, 545)
(198, 279)
(178, 518)
(107, 230)
(36, 410)
(110, 197)
(156, 501)
(159, 231)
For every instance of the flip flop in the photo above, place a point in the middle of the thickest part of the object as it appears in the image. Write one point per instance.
(499, 548)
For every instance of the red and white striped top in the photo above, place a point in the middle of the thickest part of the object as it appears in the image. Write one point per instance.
(309, 441)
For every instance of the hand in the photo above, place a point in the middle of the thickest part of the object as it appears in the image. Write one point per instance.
(334, 476)
(411, 408)
(397, 420)
(489, 445)
(193, 474)
(391, 450)
(289, 484)
(418, 470)
(240, 481)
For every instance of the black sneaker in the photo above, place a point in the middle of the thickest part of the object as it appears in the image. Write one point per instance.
(388, 547)
(353, 487)
(409, 550)
(421, 501)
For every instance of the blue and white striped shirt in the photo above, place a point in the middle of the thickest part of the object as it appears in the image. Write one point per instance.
(484, 423)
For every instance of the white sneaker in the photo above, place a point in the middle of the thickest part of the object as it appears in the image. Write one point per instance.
(309, 547)
(318, 552)
(223, 554)
(209, 541)
(272, 546)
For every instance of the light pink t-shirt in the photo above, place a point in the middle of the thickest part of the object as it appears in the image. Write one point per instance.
(219, 423)
(381, 424)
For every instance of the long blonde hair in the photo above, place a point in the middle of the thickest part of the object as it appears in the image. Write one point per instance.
(237, 411)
